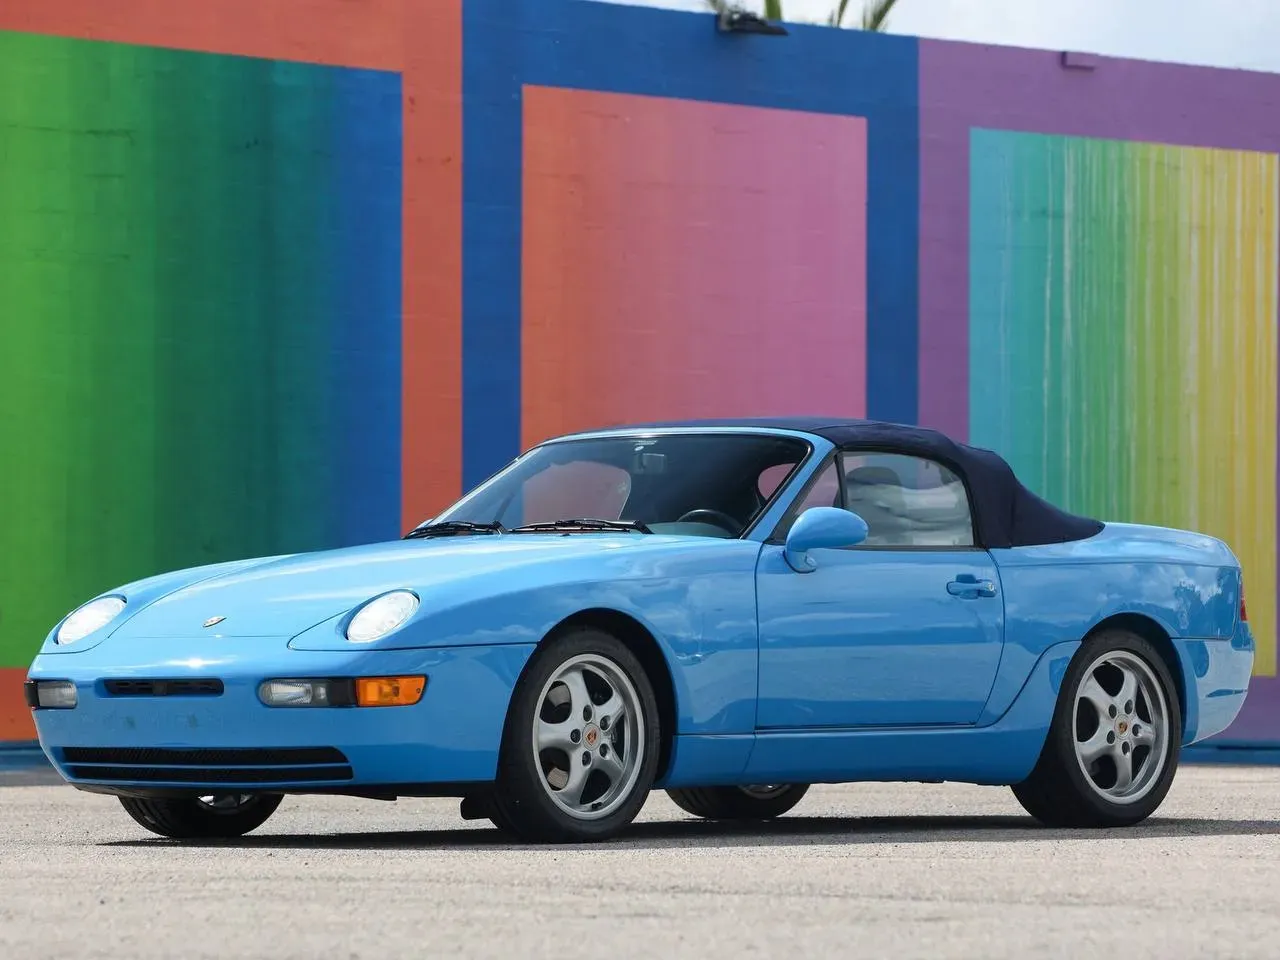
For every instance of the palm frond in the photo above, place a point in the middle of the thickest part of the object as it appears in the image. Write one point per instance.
(875, 15)
(836, 17)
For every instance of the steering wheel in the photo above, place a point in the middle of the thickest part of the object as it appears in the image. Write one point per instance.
(715, 517)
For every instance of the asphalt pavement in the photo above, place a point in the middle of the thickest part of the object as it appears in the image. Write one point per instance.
(868, 870)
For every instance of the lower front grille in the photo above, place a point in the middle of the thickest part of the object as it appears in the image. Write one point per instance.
(214, 765)
(212, 774)
(203, 756)
(206, 687)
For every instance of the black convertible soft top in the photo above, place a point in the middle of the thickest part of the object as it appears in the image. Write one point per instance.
(1006, 514)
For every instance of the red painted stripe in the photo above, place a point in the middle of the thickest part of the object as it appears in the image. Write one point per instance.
(431, 449)
(15, 715)
(619, 189)
(350, 33)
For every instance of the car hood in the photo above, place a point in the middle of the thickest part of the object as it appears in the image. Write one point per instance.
(281, 597)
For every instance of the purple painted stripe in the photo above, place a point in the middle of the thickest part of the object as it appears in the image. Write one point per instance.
(963, 86)
(1259, 721)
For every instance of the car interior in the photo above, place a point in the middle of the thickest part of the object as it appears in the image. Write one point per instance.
(685, 486)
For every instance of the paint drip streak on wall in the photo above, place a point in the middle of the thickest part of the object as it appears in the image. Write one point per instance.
(1123, 335)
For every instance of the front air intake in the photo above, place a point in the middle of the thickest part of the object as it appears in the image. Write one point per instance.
(248, 766)
(209, 687)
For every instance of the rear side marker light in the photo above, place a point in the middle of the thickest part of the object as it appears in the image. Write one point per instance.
(362, 692)
(1244, 611)
(50, 694)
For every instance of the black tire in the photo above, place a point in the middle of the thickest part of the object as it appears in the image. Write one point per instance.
(522, 799)
(191, 819)
(1058, 791)
(736, 803)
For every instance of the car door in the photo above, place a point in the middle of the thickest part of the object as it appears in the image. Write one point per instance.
(905, 629)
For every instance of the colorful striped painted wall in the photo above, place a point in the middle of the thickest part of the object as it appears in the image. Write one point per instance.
(275, 281)
(1122, 333)
(204, 310)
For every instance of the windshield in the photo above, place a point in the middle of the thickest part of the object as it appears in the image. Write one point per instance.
(711, 485)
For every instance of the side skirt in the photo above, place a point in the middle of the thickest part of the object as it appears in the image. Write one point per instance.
(1003, 752)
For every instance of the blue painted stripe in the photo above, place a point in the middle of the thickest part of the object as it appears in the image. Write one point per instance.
(22, 755)
(893, 249)
(365, 357)
(1245, 755)
(637, 50)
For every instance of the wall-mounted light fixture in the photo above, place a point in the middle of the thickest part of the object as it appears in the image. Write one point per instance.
(743, 21)
(1074, 60)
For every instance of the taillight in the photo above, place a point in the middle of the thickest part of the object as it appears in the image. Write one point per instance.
(1244, 611)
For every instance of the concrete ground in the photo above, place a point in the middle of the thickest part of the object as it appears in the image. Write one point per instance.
(855, 871)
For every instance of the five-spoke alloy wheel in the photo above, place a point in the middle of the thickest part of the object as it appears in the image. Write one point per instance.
(217, 817)
(762, 801)
(588, 737)
(1121, 725)
(1114, 743)
(580, 748)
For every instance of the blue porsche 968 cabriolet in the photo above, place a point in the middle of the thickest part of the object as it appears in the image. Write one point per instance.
(727, 610)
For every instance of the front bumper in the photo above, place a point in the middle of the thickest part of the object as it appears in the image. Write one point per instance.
(203, 742)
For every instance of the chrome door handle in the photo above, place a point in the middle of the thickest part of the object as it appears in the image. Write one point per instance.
(968, 587)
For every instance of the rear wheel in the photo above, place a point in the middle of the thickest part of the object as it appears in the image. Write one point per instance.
(580, 748)
(1113, 747)
(755, 802)
(217, 816)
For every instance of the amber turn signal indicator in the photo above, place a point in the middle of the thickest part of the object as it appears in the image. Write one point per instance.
(389, 691)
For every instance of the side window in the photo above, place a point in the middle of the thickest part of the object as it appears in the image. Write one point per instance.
(582, 488)
(825, 492)
(771, 477)
(907, 501)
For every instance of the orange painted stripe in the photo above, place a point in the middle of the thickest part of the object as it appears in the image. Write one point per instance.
(431, 448)
(349, 33)
(15, 715)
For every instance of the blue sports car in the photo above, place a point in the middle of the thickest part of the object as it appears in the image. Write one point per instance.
(727, 610)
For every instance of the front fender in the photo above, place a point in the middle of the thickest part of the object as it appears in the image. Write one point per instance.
(703, 621)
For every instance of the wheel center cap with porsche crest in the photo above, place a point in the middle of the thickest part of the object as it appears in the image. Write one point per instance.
(591, 736)
(214, 621)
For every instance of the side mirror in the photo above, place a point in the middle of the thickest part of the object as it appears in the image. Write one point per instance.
(821, 527)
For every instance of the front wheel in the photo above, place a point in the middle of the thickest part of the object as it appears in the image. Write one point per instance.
(1114, 742)
(580, 748)
(217, 817)
(756, 802)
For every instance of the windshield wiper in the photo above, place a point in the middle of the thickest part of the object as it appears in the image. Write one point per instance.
(450, 528)
(583, 523)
